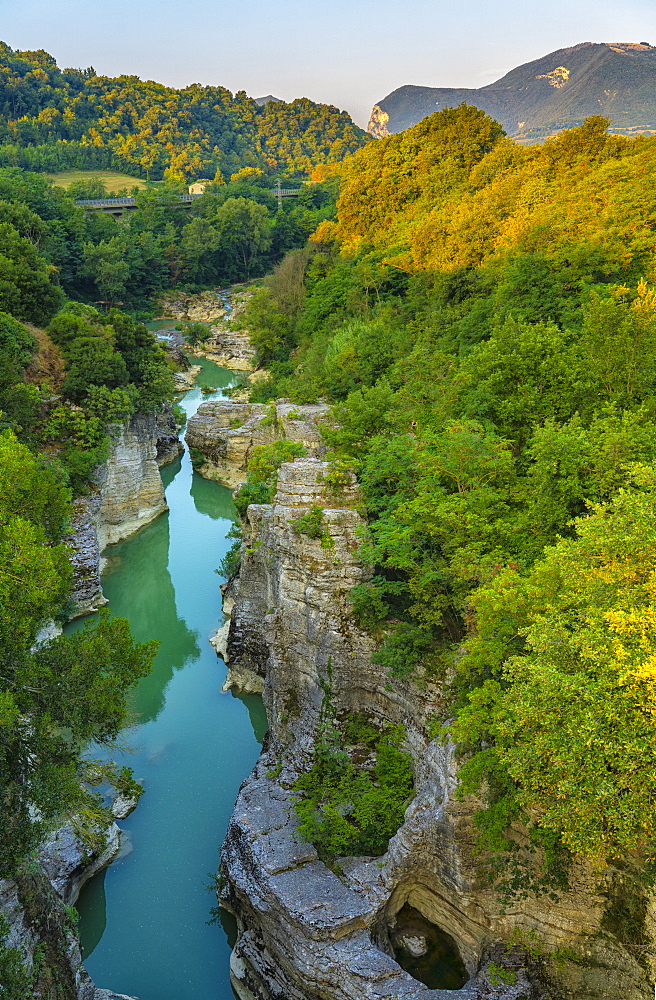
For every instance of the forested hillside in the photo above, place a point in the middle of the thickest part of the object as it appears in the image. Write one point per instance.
(483, 318)
(51, 249)
(52, 119)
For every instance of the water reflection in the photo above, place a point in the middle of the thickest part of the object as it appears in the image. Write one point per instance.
(144, 923)
(95, 925)
(149, 602)
(256, 713)
(204, 495)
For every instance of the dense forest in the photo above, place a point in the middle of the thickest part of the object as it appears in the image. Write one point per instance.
(75, 362)
(51, 249)
(483, 318)
(52, 119)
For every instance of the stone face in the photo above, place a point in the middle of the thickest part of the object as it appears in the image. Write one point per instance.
(69, 865)
(33, 905)
(85, 554)
(226, 432)
(305, 933)
(127, 495)
(203, 307)
(129, 483)
(378, 123)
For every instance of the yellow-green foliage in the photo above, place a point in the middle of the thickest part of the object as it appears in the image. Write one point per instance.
(110, 180)
(483, 318)
(75, 118)
(436, 201)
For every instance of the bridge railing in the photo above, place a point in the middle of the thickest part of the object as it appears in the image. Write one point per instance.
(92, 203)
(122, 202)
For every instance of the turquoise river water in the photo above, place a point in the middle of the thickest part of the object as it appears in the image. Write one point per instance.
(144, 921)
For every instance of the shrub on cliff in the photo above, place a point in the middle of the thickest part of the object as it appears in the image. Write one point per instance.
(347, 808)
(263, 464)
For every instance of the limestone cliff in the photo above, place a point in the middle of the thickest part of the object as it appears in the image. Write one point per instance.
(307, 932)
(128, 494)
(378, 123)
(225, 433)
(40, 925)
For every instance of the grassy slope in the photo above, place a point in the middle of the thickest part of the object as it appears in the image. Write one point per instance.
(112, 180)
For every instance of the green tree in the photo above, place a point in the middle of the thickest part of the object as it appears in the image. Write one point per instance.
(566, 718)
(55, 697)
(243, 231)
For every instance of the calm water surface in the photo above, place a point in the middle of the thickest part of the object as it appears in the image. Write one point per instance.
(143, 922)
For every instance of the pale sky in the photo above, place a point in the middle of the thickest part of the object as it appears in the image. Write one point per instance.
(343, 52)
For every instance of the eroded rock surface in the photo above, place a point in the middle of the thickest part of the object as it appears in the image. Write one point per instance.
(129, 483)
(226, 345)
(199, 307)
(128, 494)
(69, 864)
(39, 924)
(225, 433)
(305, 932)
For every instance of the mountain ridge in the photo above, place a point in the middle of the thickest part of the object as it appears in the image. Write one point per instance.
(541, 97)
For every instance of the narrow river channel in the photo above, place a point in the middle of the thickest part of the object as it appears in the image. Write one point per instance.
(144, 922)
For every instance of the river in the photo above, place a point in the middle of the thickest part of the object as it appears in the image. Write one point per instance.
(144, 921)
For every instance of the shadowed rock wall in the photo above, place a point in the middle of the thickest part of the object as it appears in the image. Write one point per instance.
(128, 494)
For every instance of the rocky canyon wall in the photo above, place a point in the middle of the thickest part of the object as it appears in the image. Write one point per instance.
(311, 933)
(40, 927)
(225, 433)
(128, 493)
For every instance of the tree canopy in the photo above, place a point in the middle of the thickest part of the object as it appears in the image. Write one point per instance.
(52, 119)
(483, 318)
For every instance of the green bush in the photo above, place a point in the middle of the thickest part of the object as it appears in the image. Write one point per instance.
(252, 493)
(16, 981)
(197, 458)
(266, 459)
(230, 562)
(313, 525)
(344, 808)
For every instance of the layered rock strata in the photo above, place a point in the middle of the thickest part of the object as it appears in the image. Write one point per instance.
(199, 307)
(226, 345)
(34, 906)
(225, 433)
(128, 494)
(309, 933)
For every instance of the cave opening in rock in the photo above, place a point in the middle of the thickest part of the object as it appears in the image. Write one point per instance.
(426, 952)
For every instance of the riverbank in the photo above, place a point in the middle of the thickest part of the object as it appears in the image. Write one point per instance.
(227, 345)
(143, 922)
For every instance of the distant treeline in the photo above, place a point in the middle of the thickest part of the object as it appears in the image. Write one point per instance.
(52, 120)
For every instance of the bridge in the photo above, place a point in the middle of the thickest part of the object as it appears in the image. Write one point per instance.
(116, 206)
